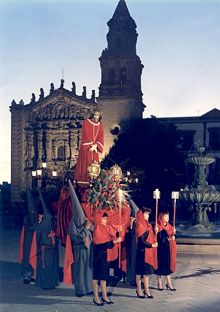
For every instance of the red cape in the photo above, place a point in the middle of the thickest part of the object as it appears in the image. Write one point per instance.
(141, 226)
(33, 253)
(68, 261)
(114, 221)
(170, 231)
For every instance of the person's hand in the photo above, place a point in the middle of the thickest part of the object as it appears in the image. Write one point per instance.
(117, 240)
(156, 229)
(88, 225)
(155, 245)
(93, 148)
(131, 222)
(174, 230)
(40, 218)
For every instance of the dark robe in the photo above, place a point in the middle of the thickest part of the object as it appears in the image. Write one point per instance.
(131, 255)
(82, 253)
(141, 267)
(166, 251)
(47, 254)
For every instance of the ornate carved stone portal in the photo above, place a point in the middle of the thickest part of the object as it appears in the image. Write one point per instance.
(47, 130)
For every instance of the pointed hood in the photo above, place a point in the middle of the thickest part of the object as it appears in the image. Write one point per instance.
(134, 207)
(31, 206)
(47, 212)
(79, 217)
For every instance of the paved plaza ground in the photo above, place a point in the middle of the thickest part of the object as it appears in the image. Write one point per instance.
(198, 289)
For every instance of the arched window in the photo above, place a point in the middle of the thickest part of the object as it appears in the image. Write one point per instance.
(61, 153)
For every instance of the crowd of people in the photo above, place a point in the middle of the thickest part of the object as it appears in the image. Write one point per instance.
(94, 242)
(95, 237)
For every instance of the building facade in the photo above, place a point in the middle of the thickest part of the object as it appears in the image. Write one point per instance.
(204, 130)
(49, 129)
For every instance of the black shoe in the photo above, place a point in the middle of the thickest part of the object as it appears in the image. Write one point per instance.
(141, 297)
(169, 288)
(32, 280)
(148, 296)
(79, 295)
(26, 280)
(160, 289)
(97, 303)
(107, 302)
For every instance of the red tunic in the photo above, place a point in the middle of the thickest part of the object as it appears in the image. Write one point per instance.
(92, 133)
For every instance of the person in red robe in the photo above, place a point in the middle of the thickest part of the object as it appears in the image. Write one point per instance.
(64, 214)
(146, 261)
(92, 143)
(104, 237)
(166, 253)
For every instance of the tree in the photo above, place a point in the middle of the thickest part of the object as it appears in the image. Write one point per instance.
(150, 148)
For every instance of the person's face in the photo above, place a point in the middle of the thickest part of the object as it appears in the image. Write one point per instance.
(104, 220)
(146, 216)
(96, 116)
(166, 218)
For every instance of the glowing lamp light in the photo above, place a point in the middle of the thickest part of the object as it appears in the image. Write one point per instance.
(54, 173)
(94, 169)
(175, 195)
(156, 194)
(116, 172)
(39, 172)
(33, 173)
(44, 165)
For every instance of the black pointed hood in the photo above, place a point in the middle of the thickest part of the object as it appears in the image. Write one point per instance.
(134, 207)
(31, 206)
(79, 217)
(47, 211)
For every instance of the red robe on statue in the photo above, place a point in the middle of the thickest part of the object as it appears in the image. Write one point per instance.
(92, 133)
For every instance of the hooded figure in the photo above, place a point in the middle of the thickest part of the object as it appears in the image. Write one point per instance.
(30, 222)
(80, 231)
(131, 246)
(47, 250)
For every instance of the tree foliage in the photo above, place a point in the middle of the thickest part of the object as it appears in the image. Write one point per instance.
(149, 148)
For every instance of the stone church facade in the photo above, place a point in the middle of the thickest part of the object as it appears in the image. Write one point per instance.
(49, 129)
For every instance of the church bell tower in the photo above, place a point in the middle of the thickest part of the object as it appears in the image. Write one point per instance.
(120, 95)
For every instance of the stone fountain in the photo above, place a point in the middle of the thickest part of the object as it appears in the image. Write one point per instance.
(199, 241)
(200, 195)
